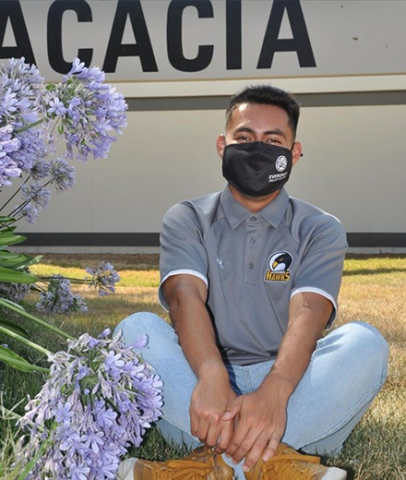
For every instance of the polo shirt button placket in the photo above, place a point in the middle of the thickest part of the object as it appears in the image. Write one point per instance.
(252, 232)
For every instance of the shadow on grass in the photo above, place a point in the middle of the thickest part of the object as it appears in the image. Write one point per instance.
(367, 271)
(119, 261)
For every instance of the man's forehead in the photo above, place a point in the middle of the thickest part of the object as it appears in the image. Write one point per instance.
(259, 114)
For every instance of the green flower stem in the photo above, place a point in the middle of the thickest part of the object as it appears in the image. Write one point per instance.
(25, 341)
(30, 125)
(79, 281)
(15, 193)
(42, 449)
(21, 311)
(19, 208)
(10, 413)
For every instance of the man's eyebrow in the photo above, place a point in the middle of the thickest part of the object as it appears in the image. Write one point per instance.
(244, 129)
(276, 131)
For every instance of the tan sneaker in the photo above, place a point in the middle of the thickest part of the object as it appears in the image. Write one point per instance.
(201, 464)
(288, 464)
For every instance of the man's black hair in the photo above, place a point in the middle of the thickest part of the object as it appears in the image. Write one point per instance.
(266, 95)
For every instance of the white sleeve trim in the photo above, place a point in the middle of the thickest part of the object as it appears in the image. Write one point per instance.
(184, 271)
(315, 290)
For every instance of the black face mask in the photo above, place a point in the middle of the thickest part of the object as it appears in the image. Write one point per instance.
(256, 168)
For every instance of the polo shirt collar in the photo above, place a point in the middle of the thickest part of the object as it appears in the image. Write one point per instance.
(236, 213)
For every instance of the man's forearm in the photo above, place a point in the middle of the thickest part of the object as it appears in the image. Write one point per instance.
(186, 297)
(193, 326)
(196, 337)
(309, 314)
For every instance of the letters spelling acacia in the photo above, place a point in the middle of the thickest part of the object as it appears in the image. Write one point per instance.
(143, 48)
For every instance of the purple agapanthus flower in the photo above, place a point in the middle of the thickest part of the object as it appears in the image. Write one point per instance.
(81, 110)
(30, 213)
(59, 298)
(88, 110)
(16, 292)
(40, 170)
(104, 278)
(62, 174)
(20, 86)
(37, 194)
(57, 107)
(90, 420)
(8, 145)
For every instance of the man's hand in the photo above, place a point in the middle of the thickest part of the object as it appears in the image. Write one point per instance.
(208, 405)
(260, 416)
(261, 422)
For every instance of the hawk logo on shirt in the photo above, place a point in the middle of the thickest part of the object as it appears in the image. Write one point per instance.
(278, 267)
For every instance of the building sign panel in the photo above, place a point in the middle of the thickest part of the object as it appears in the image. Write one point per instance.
(163, 40)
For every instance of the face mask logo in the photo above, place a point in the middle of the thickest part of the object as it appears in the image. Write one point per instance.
(281, 163)
(256, 169)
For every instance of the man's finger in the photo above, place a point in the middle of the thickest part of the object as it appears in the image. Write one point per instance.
(224, 439)
(273, 444)
(194, 423)
(213, 434)
(239, 435)
(202, 430)
(233, 409)
(246, 445)
(256, 451)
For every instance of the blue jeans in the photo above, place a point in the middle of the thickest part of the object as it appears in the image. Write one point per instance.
(346, 371)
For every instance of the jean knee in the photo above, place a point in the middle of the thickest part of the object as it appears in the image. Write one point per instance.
(370, 345)
(143, 323)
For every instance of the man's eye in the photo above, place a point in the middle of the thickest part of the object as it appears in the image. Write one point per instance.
(243, 138)
(273, 140)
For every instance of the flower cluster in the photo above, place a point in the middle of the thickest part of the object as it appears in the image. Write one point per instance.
(59, 298)
(104, 278)
(100, 398)
(15, 292)
(8, 145)
(20, 86)
(87, 110)
(81, 110)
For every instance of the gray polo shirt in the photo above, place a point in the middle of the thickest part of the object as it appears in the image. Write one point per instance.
(252, 265)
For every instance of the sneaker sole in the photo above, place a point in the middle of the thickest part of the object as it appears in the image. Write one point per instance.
(335, 474)
(125, 470)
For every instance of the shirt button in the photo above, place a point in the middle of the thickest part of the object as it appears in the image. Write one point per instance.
(251, 266)
(253, 218)
(253, 240)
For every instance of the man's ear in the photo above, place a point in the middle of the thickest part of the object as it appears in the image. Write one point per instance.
(296, 152)
(221, 145)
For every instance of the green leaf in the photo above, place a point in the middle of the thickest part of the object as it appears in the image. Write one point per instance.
(17, 362)
(60, 129)
(35, 259)
(7, 230)
(12, 260)
(24, 260)
(19, 309)
(6, 239)
(12, 305)
(4, 219)
(25, 341)
(14, 328)
(11, 276)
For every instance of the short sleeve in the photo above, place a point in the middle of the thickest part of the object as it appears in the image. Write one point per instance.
(321, 266)
(182, 249)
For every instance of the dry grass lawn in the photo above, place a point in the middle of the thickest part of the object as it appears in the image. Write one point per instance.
(373, 290)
